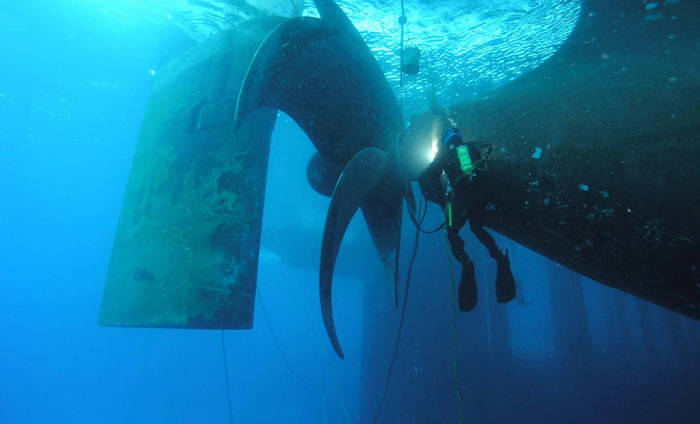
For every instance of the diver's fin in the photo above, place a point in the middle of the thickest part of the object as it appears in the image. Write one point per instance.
(382, 211)
(468, 294)
(358, 179)
(322, 174)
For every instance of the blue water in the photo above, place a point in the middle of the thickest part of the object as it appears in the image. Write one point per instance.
(74, 82)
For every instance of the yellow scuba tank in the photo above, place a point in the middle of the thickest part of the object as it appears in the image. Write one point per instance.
(465, 159)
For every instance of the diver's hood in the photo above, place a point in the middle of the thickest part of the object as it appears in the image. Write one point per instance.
(416, 149)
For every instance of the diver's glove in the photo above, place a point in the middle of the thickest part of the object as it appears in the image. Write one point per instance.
(468, 295)
(505, 283)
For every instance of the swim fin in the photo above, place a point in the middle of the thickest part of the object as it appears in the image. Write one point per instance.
(468, 294)
(505, 283)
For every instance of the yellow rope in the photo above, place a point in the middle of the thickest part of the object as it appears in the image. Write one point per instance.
(454, 334)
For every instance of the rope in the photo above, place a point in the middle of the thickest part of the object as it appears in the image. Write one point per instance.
(402, 24)
(318, 344)
(454, 335)
(274, 337)
(395, 357)
(321, 351)
(415, 222)
(228, 390)
(320, 385)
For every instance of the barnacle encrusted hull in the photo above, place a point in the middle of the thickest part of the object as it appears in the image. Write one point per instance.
(597, 151)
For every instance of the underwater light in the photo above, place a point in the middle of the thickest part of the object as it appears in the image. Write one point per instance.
(433, 149)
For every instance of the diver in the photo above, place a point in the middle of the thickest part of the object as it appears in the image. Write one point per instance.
(452, 181)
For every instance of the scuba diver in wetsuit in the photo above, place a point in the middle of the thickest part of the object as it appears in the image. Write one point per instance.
(452, 181)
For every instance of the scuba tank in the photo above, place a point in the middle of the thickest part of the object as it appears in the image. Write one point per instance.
(465, 160)
(466, 154)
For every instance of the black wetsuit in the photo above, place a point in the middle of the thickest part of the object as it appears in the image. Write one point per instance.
(444, 182)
